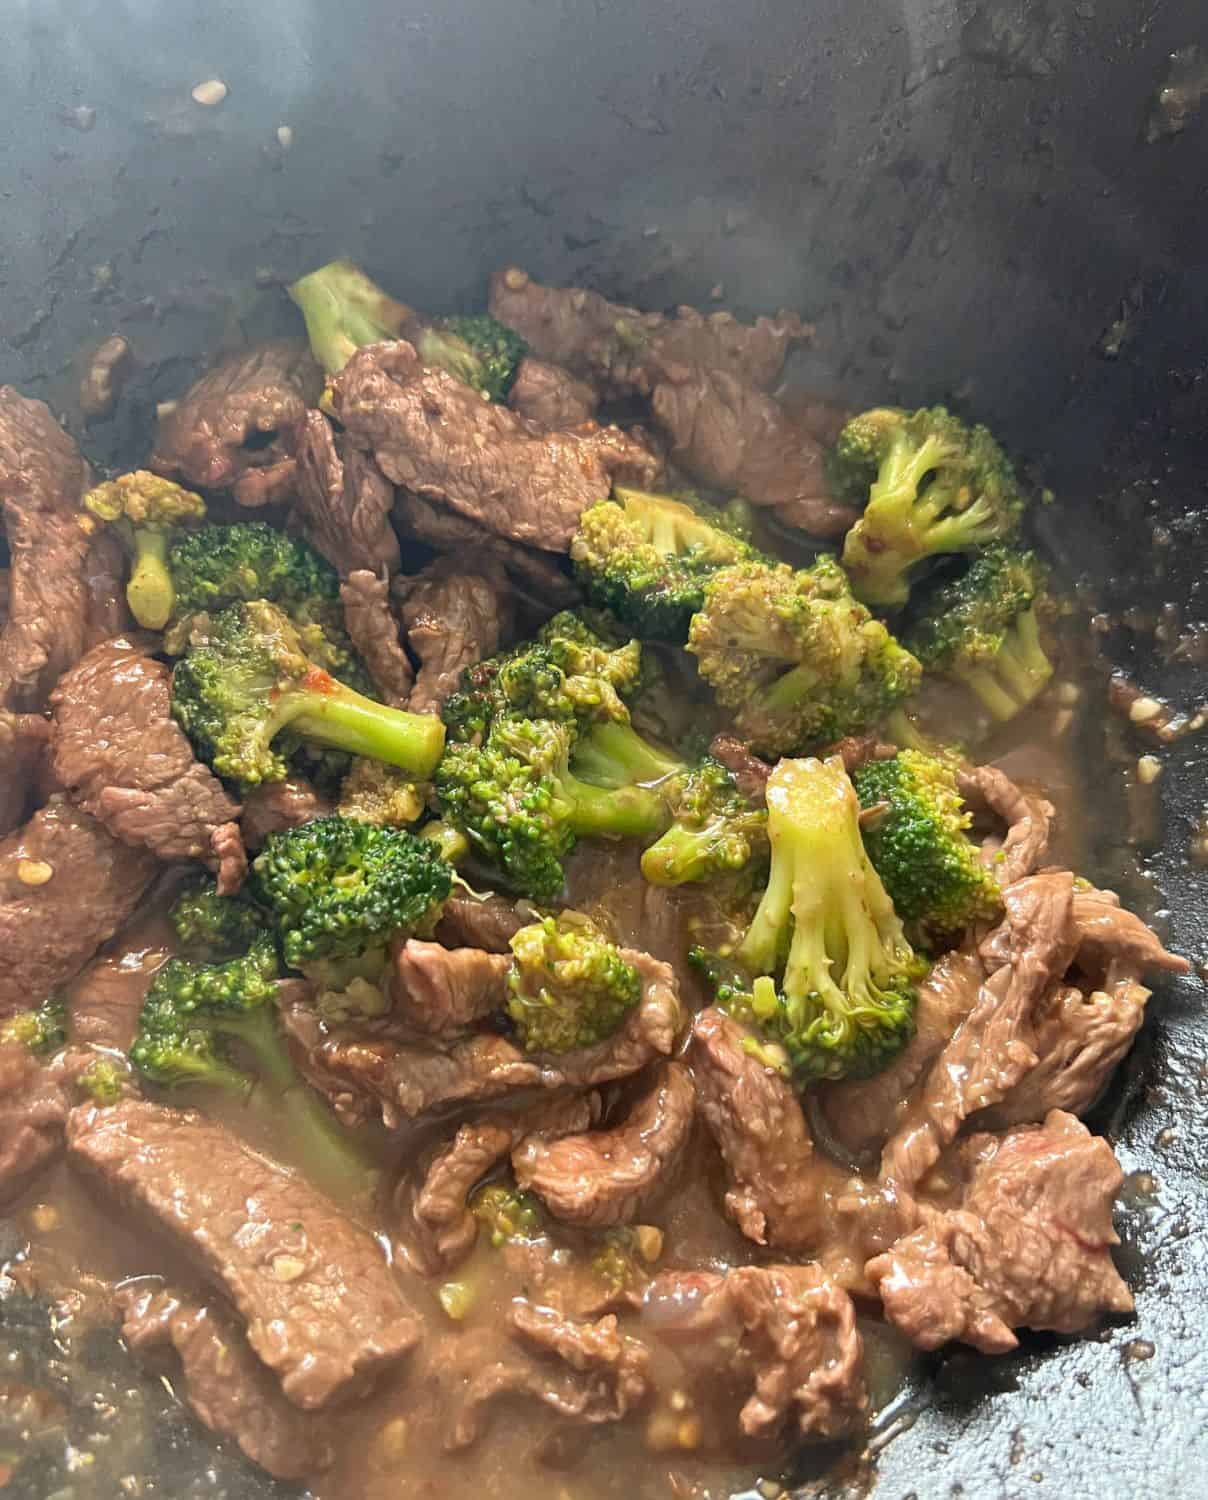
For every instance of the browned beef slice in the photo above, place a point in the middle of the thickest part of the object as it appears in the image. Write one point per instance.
(66, 886)
(755, 1118)
(277, 805)
(343, 502)
(786, 1333)
(488, 922)
(42, 479)
(995, 1045)
(456, 612)
(727, 433)
(1113, 940)
(105, 581)
(604, 1177)
(373, 630)
(439, 1229)
(823, 420)
(238, 427)
(589, 1372)
(550, 396)
(225, 1385)
(322, 1308)
(435, 436)
(614, 345)
(444, 991)
(1028, 818)
(856, 750)
(105, 1000)
(1028, 1247)
(23, 742)
(748, 769)
(33, 1109)
(125, 760)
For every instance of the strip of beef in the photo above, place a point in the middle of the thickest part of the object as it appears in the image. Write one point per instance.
(538, 574)
(23, 742)
(33, 1111)
(727, 433)
(786, 1333)
(456, 613)
(343, 502)
(621, 349)
(225, 1385)
(238, 427)
(1028, 819)
(444, 991)
(488, 922)
(42, 479)
(588, 1372)
(276, 805)
(603, 1177)
(376, 1066)
(1029, 1245)
(104, 1001)
(66, 886)
(106, 612)
(440, 1229)
(750, 772)
(321, 1306)
(550, 396)
(821, 419)
(1114, 941)
(125, 760)
(373, 630)
(434, 435)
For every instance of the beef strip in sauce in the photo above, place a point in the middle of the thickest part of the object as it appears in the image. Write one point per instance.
(457, 612)
(343, 502)
(374, 631)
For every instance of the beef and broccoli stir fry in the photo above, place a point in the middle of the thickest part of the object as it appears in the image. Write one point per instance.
(519, 950)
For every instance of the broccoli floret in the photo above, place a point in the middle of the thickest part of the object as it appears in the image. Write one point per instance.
(102, 1081)
(344, 309)
(250, 677)
(569, 987)
(795, 656)
(381, 794)
(507, 1212)
(148, 512)
(715, 828)
(42, 1029)
(844, 1004)
(197, 1016)
(522, 807)
(625, 1256)
(478, 350)
(210, 926)
(219, 565)
(646, 557)
(983, 629)
(917, 845)
(939, 486)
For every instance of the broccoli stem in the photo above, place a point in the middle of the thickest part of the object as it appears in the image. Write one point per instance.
(336, 716)
(150, 593)
(682, 855)
(343, 310)
(615, 754)
(1017, 674)
(612, 811)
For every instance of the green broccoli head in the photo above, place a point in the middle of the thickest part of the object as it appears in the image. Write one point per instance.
(646, 557)
(41, 1029)
(478, 350)
(984, 629)
(344, 310)
(103, 1081)
(250, 676)
(149, 511)
(338, 888)
(210, 926)
(939, 486)
(795, 656)
(216, 565)
(918, 845)
(715, 829)
(844, 1002)
(569, 987)
(507, 1213)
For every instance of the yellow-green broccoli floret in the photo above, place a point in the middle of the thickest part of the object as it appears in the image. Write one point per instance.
(507, 1213)
(569, 987)
(41, 1029)
(477, 349)
(376, 793)
(210, 926)
(715, 828)
(148, 512)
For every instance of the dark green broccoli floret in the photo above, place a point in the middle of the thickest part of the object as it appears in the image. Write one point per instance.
(249, 677)
(42, 1029)
(522, 807)
(795, 656)
(918, 846)
(211, 926)
(714, 829)
(478, 350)
(507, 1212)
(148, 511)
(339, 889)
(569, 986)
(646, 557)
(195, 1020)
(219, 565)
(844, 1004)
(983, 629)
(928, 483)
(344, 310)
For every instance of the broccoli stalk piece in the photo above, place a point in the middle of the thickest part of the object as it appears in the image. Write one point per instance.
(344, 309)
(478, 350)
(715, 829)
(249, 676)
(41, 1029)
(646, 557)
(210, 926)
(569, 987)
(918, 846)
(196, 1018)
(844, 1004)
(522, 806)
(928, 484)
(983, 630)
(148, 512)
(795, 656)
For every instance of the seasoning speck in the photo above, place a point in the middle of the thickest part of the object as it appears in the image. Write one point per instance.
(44, 1217)
(213, 91)
(34, 871)
(285, 136)
(1149, 768)
(1143, 710)
(288, 1267)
